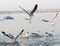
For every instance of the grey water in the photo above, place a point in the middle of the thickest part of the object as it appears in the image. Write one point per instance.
(15, 26)
(33, 41)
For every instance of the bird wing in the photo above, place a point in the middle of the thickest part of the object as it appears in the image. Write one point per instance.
(1, 18)
(45, 20)
(54, 17)
(23, 9)
(8, 35)
(7, 17)
(19, 34)
(34, 9)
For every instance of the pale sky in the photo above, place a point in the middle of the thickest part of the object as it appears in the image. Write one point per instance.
(29, 4)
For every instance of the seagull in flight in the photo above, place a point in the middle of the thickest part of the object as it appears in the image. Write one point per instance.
(6, 18)
(52, 20)
(11, 36)
(31, 13)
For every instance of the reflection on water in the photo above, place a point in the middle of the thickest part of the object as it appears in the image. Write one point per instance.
(50, 41)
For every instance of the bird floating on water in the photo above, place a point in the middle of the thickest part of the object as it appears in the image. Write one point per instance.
(49, 34)
(31, 13)
(32, 35)
(6, 18)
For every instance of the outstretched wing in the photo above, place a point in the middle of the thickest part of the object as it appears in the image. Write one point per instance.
(8, 17)
(45, 20)
(19, 34)
(23, 9)
(34, 9)
(55, 16)
(8, 35)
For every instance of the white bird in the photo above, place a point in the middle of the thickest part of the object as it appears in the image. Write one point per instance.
(28, 35)
(6, 18)
(11, 36)
(31, 13)
(52, 20)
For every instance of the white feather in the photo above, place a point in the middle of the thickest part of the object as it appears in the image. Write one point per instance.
(1, 18)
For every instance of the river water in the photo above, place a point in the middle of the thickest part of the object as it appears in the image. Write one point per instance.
(15, 26)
